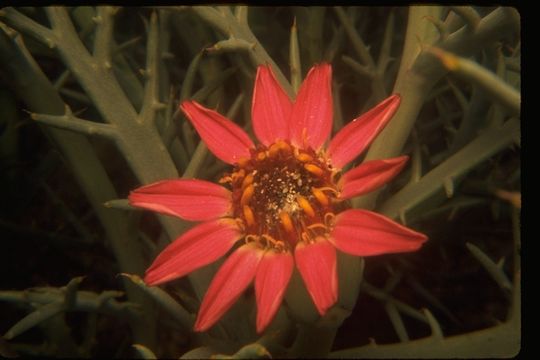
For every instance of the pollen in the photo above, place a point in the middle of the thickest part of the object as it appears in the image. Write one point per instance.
(248, 215)
(284, 195)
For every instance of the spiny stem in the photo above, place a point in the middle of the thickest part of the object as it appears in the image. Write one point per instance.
(70, 122)
(468, 14)
(151, 98)
(480, 149)
(229, 25)
(28, 26)
(491, 83)
(358, 44)
(104, 35)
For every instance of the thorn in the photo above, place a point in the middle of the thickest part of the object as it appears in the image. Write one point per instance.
(441, 28)
(436, 331)
(11, 33)
(453, 213)
(50, 43)
(402, 216)
(449, 186)
(156, 105)
(167, 55)
(97, 19)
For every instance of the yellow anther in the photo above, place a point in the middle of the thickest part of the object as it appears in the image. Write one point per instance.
(305, 205)
(247, 195)
(261, 156)
(303, 157)
(286, 221)
(320, 196)
(248, 215)
(314, 169)
(248, 180)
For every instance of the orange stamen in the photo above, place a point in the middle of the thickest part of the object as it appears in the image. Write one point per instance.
(261, 156)
(248, 215)
(247, 194)
(286, 221)
(314, 169)
(248, 180)
(284, 146)
(274, 150)
(243, 162)
(320, 196)
(303, 157)
(305, 205)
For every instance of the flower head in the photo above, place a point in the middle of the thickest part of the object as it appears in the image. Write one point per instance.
(285, 199)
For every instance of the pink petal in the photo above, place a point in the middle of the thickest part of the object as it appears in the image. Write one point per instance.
(311, 118)
(272, 278)
(271, 108)
(370, 175)
(365, 233)
(354, 138)
(199, 246)
(225, 139)
(317, 265)
(194, 200)
(231, 280)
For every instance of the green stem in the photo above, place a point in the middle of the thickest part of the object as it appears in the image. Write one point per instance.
(419, 71)
(313, 342)
(33, 87)
(228, 24)
(432, 184)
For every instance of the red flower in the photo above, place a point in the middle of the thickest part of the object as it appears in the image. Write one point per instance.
(286, 199)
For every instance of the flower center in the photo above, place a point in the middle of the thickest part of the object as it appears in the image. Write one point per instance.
(283, 194)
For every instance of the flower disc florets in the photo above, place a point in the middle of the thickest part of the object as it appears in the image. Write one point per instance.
(283, 194)
(286, 200)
